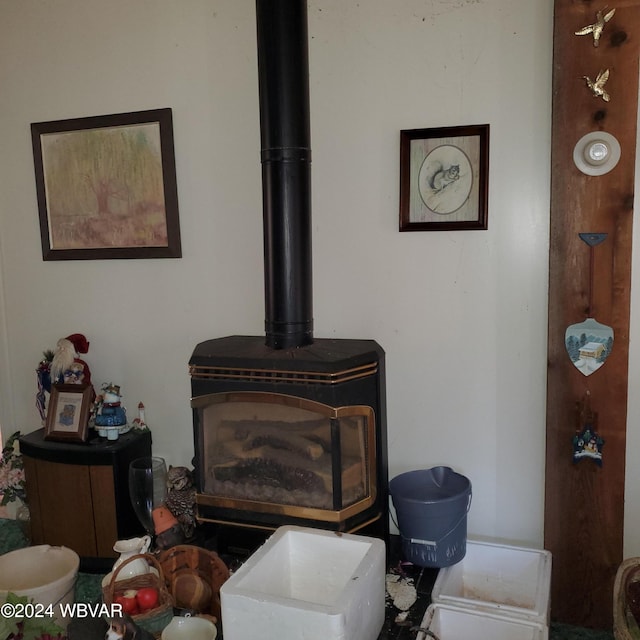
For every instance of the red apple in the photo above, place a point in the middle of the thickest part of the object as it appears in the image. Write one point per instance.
(147, 598)
(128, 602)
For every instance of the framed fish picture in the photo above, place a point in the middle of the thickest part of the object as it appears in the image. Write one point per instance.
(444, 178)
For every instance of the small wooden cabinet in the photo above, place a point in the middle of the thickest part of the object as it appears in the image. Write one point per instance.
(78, 494)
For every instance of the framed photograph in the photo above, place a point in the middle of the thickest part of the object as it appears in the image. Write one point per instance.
(68, 412)
(444, 178)
(106, 187)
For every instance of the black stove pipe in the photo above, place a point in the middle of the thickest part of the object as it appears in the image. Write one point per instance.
(283, 74)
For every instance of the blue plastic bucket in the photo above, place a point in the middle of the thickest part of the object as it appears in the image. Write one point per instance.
(432, 506)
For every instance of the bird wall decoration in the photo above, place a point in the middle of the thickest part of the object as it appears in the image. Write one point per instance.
(597, 27)
(597, 86)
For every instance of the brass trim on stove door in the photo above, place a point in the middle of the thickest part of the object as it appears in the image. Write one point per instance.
(307, 513)
(282, 375)
(332, 413)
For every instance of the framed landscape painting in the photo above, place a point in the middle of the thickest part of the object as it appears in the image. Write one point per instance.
(106, 186)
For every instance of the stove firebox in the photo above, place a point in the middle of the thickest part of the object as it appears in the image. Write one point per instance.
(290, 436)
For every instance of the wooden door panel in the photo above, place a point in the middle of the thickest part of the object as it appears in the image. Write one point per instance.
(33, 498)
(66, 506)
(104, 510)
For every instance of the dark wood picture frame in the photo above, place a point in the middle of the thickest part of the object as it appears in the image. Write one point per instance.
(106, 186)
(68, 412)
(444, 178)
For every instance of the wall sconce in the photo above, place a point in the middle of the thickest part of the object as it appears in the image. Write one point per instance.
(596, 153)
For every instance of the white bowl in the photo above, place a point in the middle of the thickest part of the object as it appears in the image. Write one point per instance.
(189, 628)
(45, 574)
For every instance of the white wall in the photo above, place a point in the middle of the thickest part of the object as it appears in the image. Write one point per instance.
(632, 468)
(462, 315)
(6, 401)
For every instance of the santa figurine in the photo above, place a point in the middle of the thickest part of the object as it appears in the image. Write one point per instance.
(66, 366)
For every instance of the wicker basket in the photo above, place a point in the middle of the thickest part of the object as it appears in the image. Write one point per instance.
(206, 564)
(156, 619)
(625, 626)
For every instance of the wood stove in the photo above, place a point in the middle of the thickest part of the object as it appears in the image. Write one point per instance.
(294, 436)
(288, 429)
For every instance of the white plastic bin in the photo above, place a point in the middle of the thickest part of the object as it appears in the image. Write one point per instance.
(454, 623)
(513, 581)
(307, 583)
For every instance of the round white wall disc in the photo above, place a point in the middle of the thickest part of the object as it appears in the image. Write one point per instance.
(596, 153)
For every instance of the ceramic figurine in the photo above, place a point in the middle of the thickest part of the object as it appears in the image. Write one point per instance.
(127, 549)
(167, 528)
(124, 628)
(109, 411)
(139, 422)
(181, 498)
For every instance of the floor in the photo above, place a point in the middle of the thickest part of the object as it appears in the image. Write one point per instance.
(566, 632)
(88, 590)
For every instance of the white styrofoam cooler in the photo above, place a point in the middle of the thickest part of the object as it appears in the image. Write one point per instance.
(307, 583)
(512, 581)
(455, 623)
